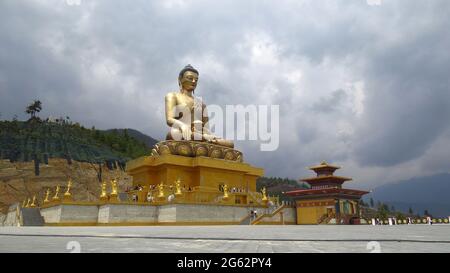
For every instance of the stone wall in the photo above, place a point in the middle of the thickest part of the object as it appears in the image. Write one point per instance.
(2, 219)
(141, 214)
(12, 218)
(51, 215)
(71, 214)
(127, 214)
(209, 213)
(289, 217)
(167, 214)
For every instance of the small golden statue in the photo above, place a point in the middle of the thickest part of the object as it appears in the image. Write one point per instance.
(178, 187)
(24, 203)
(28, 203)
(47, 194)
(103, 195)
(33, 204)
(67, 194)
(264, 196)
(187, 115)
(114, 192)
(225, 192)
(56, 197)
(161, 190)
(114, 187)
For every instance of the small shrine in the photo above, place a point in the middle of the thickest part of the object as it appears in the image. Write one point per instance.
(327, 202)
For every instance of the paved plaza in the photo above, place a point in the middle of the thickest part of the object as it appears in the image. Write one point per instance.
(228, 239)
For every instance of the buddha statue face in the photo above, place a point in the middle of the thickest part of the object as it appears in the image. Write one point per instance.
(189, 81)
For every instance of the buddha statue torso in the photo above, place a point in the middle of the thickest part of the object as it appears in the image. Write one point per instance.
(187, 115)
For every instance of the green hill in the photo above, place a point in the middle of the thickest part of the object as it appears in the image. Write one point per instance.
(149, 141)
(275, 186)
(37, 140)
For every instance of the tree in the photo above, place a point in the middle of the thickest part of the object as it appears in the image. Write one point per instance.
(371, 203)
(33, 108)
(382, 212)
(410, 211)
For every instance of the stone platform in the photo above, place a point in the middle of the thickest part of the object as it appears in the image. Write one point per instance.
(126, 214)
(201, 170)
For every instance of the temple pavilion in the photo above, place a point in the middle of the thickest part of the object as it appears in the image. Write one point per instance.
(326, 202)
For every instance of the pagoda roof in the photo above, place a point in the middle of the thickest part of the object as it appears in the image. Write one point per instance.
(330, 191)
(338, 179)
(324, 165)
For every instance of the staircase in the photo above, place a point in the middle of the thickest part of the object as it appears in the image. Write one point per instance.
(32, 217)
(275, 212)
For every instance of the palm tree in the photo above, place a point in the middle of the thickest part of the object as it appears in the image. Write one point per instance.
(33, 108)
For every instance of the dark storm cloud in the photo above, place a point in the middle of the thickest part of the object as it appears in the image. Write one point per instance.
(409, 103)
(361, 84)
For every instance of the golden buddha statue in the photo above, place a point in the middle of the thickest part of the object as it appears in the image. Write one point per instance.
(178, 187)
(161, 190)
(264, 196)
(187, 115)
(114, 191)
(103, 195)
(225, 192)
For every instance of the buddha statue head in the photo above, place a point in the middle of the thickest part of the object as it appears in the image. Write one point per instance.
(188, 78)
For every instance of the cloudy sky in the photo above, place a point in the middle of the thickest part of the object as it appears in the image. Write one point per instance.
(360, 83)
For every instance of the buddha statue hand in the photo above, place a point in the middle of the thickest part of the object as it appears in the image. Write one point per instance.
(180, 131)
(186, 132)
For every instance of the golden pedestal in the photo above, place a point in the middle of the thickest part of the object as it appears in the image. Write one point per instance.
(67, 198)
(201, 178)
